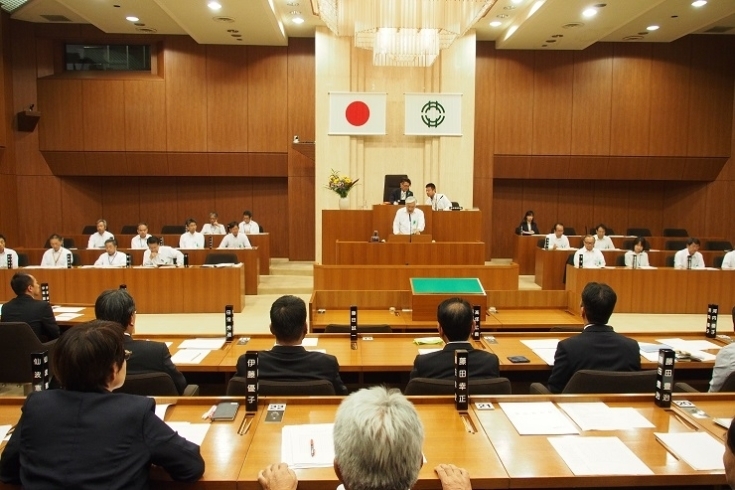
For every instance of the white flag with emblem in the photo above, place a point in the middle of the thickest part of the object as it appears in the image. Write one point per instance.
(433, 114)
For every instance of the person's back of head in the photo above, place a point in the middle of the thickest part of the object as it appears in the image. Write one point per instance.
(115, 305)
(153, 240)
(455, 317)
(411, 200)
(288, 317)
(598, 300)
(85, 356)
(378, 439)
(20, 282)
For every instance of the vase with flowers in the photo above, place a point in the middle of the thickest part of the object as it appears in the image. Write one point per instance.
(342, 186)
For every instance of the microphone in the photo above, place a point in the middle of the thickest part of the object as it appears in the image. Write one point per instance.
(689, 261)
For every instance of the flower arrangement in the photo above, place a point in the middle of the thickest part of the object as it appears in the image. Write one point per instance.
(340, 185)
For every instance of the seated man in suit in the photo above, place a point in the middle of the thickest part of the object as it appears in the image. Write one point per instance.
(116, 305)
(158, 254)
(455, 320)
(598, 346)
(409, 220)
(99, 239)
(28, 307)
(689, 258)
(288, 360)
(592, 257)
(402, 193)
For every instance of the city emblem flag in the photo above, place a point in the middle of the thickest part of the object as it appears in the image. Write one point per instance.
(357, 113)
(433, 114)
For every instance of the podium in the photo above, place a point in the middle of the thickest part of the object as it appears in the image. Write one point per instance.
(428, 292)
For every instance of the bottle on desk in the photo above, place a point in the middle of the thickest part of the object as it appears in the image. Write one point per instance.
(375, 238)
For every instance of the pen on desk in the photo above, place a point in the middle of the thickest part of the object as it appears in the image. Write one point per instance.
(683, 421)
(313, 451)
(208, 414)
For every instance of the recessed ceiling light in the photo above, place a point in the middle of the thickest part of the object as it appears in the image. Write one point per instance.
(132, 18)
(297, 20)
(652, 28)
(496, 23)
(516, 2)
(590, 12)
(699, 3)
(214, 5)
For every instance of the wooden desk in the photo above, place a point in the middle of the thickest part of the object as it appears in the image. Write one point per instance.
(162, 290)
(260, 240)
(247, 256)
(445, 253)
(662, 290)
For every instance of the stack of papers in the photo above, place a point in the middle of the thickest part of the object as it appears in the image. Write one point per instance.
(307, 446)
(191, 432)
(699, 450)
(427, 351)
(649, 351)
(4, 431)
(544, 348)
(695, 348)
(537, 418)
(203, 343)
(598, 456)
(189, 356)
(598, 416)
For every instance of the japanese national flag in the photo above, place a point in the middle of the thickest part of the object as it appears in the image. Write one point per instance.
(357, 113)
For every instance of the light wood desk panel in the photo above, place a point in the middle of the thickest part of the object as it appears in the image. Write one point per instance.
(445, 253)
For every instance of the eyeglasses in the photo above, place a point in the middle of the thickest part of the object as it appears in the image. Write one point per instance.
(127, 355)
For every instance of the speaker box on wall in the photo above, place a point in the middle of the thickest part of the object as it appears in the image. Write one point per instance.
(27, 120)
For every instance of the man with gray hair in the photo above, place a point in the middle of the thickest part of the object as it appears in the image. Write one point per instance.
(378, 438)
(409, 220)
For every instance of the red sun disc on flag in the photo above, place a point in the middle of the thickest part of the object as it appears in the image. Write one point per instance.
(357, 113)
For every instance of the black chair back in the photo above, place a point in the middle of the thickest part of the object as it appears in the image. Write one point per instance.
(721, 245)
(718, 262)
(261, 229)
(17, 342)
(620, 261)
(173, 229)
(89, 229)
(541, 243)
(391, 183)
(76, 261)
(220, 258)
(594, 381)
(484, 386)
(334, 328)
(729, 384)
(129, 230)
(675, 244)
(675, 232)
(569, 230)
(669, 261)
(638, 232)
(149, 384)
(237, 386)
(23, 260)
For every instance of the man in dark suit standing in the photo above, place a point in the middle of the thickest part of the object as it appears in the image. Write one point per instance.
(28, 307)
(455, 326)
(402, 192)
(117, 305)
(288, 360)
(598, 346)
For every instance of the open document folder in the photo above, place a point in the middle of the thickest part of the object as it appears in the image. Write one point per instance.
(307, 446)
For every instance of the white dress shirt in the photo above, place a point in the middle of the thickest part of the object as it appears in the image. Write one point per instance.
(562, 242)
(249, 228)
(728, 263)
(4, 258)
(218, 229)
(641, 259)
(138, 243)
(165, 256)
(98, 241)
(604, 243)
(440, 202)
(191, 240)
(51, 258)
(591, 259)
(724, 365)
(232, 241)
(118, 259)
(405, 224)
(680, 260)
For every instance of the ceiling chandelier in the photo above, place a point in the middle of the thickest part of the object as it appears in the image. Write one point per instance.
(401, 32)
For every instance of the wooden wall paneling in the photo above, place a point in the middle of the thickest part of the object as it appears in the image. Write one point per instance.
(271, 208)
(267, 99)
(685, 207)
(121, 203)
(9, 225)
(610, 206)
(103, 115)
(228, 197)
(194, 164)
(592, 101)
(511, 166)
(514, 76)
(507, 210)
(670, 98)
(159, 197)
(195, 199)
(484, 110)
(44, 55)
(272, 165)
(145, 115)
(301, 88)
(227, 98)
(553, 86)
(711, 96)
(226, 164)
(576, 204)
(6, 80)
(37, 213)
(631, 100)
(61, 127)
(81, 203)
(20, 92)
(483, 200)
(645, 206)
(109, 163)
(301, 208)
(186, 94)
(541, 197)
(720, 212)
(146, 163)
(550, 167)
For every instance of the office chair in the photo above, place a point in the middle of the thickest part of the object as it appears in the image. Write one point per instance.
(541, 243)
(718, 245)
(22, 260)
(237, 386)
(221, 258)
(569, 230)
(154, 384)
(669, 261)
(620, 261)
(261, 229)
(727, 387)
(172, 229)
(676, 232)
(129, 230)
(17, 342)
(334, 328)
(675, 245)
(390, 184)
(638, 232)
(89, 230)
(627, 244)
(65, 242)
(76, 261)
(595, 381)
(484, 386)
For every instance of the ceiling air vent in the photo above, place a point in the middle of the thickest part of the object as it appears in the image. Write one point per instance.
(223, 19)
(632, 38)
(572, 25)
(148, 30)
(56, 18)
(719, 29)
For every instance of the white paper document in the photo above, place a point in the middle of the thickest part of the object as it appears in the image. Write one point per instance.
(191, 432)
(598, 416)
(699, 450)
(4, 431)
(546, 355)
(541, 343)
(307, 446)
(689, 345)
(161, 410)
(67, 316)
(67, 309)
(427, 351)
(203, 343)
(310, 341)
(651, 347)
(538, 418)
(587, 456)
(189, 356)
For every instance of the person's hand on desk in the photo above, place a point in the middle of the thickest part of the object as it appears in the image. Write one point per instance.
(278, 477)
(453, 478)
